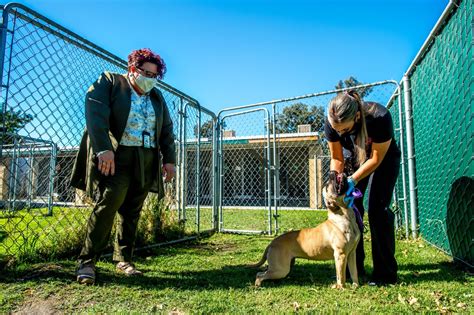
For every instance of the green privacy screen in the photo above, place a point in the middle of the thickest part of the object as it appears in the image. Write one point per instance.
(442, 102)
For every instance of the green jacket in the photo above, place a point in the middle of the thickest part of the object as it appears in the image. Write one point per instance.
(107, 106)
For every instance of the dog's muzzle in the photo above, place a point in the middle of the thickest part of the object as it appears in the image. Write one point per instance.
(337, 183)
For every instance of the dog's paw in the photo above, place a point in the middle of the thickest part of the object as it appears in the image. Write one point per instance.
(355, 285)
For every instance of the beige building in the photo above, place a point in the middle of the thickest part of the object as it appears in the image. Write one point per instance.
(301, 161)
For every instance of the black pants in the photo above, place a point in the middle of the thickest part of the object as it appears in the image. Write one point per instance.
(122, 194)
(381, 221)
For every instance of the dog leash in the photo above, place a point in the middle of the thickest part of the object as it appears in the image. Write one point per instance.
(356, 194)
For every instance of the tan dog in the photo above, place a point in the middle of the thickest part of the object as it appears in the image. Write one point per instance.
(336, 238)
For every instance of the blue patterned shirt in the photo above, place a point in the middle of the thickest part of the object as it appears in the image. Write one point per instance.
(141, 118)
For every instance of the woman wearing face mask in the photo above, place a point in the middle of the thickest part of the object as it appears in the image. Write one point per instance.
(127, 126)
(362, 144)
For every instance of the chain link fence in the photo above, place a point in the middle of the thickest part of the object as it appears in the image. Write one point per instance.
(442, 112)
(45, 72)
(274, 159)
(246, 169)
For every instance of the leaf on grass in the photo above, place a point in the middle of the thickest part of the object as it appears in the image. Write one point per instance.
(401, 298)
(437, 296)
(412, 300)
(296, 306)
(461, 305)
(175, 311)
(157, 307)
(30, 291)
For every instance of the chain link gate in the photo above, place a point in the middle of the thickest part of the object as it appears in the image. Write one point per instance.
(45, 71)
(245, 170)
(195, 195)
(299, 157)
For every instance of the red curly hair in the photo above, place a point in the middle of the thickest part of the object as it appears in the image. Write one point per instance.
(138, 57)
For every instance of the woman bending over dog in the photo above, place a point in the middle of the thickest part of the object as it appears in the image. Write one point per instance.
(362, 144)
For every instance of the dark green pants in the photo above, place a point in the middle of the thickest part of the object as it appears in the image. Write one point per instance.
(122, 193)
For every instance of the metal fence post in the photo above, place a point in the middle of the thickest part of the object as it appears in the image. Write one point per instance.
(316, 181)
(402, 160)
(198, 173)
(221, 173)
(269, 174)
(410, 156)
(179, 179)
(30, 175)
(276, 170)
(215, 174)
(52, 171)
(13, 176)
(184, 161)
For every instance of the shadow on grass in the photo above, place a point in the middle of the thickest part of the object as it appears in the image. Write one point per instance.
(303, 274)
(3, 235)
(238, 276)
(444, 271)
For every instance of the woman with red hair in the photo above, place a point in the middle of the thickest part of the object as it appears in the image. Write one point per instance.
(128, 125)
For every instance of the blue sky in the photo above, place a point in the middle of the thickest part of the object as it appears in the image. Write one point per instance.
(228, 52)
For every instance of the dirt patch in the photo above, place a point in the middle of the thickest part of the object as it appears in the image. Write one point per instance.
(215, 247)
(35, 305)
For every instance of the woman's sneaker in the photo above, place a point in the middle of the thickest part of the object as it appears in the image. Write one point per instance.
(86, 273)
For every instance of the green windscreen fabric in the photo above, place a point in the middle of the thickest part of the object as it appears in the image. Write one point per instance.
(442, 91)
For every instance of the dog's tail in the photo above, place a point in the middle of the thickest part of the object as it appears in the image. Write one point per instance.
(261, 262)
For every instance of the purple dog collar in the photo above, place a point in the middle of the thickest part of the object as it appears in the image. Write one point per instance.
(356, 194)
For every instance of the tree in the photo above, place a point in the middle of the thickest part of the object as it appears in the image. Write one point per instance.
(352, 81)
(206, 129)
(300, 114)
(11, 122)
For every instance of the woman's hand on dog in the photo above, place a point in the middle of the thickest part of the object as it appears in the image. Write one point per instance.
(349, 198)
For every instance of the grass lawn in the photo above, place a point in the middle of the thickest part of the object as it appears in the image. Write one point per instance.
(30, 234)
(207, 276)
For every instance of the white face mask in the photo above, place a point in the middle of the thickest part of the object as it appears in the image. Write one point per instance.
(144, 83)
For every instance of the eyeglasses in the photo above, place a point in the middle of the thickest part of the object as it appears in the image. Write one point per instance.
(148, 74)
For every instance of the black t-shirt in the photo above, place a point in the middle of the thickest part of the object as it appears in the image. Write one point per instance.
(379, 129)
